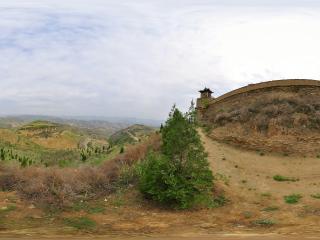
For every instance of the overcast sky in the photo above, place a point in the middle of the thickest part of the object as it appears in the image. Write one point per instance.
(135, 58)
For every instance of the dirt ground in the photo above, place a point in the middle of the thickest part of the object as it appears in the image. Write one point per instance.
(255, 210)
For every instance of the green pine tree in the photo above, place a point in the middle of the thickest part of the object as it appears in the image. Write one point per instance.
(180, 176)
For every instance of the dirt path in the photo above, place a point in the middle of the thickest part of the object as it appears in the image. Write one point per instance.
(250, 170)
(252, 188)
(211, 237)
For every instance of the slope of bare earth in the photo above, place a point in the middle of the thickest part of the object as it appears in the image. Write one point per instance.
(256, 208)
(282, 119)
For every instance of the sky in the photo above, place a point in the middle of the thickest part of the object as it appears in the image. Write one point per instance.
(136, 58)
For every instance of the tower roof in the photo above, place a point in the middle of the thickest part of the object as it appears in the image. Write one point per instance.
(206, 90)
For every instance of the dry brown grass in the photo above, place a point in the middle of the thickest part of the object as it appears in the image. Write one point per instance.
(59, 187)
(287, 110)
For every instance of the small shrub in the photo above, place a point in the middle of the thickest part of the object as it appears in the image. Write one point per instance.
(292, 199)
(161, 181)
(280, 178)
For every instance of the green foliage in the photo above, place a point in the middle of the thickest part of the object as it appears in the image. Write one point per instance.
(83, 156)
(87, 207)
(280, 178)
(161, 127)
(292, 199)
(179, 176)
(81, 223)
(8, 155)
(122, 149)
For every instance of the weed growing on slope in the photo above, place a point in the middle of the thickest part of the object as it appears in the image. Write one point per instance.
(280, 178)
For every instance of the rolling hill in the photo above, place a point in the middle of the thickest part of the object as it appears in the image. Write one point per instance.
(133, 134)
(43, 142)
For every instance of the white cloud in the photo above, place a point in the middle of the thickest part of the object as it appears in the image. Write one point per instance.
(137, 58)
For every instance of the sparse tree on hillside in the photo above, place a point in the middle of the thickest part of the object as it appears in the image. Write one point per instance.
(191, 114)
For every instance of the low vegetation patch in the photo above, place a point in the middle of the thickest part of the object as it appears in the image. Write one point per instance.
(59, 188)
(280, 178)
(317, 195)
(8, 208)
(293, 198)
(88, 207)
(264, 222)
(80, 223)
(271, 209)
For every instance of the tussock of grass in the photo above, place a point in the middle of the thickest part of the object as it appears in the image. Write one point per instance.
(292, 199)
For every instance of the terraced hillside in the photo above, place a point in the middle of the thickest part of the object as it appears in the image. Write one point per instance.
(49, 143)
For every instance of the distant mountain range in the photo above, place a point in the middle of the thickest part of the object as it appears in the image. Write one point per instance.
(80, 121)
